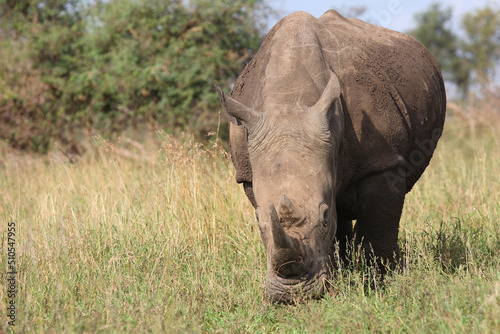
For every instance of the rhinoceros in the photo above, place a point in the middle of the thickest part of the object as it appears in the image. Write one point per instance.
(334, 120)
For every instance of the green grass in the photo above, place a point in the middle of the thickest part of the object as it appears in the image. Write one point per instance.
(134, 240)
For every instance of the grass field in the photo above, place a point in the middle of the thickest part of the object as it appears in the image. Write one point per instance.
(161, 239)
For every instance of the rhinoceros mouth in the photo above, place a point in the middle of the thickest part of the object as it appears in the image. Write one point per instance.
(286, 290)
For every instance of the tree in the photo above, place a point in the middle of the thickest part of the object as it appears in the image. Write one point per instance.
(435, 33)
(467, 58)
(482, 42)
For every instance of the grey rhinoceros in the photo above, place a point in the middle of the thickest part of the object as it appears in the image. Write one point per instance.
(334, 120)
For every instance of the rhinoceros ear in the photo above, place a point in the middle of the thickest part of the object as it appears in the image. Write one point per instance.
(330, 94)
(236, 112)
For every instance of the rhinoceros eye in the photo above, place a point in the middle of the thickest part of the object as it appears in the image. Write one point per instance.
(324, 208)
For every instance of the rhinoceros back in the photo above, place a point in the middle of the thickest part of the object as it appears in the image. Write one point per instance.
(393, 94)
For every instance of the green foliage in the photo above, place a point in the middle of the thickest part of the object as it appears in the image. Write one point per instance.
(107, 65)
(465, 58)
(21, 16)
(435, 32)
(482, 42)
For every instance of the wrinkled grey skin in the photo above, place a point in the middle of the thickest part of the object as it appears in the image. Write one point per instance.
(334, 120)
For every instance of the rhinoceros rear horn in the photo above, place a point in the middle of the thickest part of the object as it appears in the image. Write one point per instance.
(236, 112)
(287, 210)
(330, 94)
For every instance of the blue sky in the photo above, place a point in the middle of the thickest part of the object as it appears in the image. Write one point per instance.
(393, 14)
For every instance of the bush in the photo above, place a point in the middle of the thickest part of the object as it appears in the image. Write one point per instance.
(109, 65)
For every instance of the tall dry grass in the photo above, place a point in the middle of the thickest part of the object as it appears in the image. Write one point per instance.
(159, 238)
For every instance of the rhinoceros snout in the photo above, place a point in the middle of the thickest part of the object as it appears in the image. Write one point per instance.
(286, 254)
(293, 269)
(281, 290)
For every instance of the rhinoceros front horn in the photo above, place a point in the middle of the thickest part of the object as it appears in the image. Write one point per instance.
(280, 238)
(285, 257)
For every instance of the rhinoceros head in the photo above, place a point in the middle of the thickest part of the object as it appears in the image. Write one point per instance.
(293, 151)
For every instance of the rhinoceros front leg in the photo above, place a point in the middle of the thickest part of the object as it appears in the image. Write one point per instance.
(379, 207)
